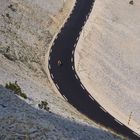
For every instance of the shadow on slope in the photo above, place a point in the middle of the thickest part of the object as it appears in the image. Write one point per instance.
(19, 120)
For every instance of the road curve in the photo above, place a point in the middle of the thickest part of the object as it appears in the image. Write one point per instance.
(65, 77)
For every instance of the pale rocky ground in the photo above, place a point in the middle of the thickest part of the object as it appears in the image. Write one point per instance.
(19, 120)
(26, 29)
(107, 58)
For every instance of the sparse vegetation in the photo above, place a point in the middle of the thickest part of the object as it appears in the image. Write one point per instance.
(16, 88)
(43, 105)
(131, 2)
(12, 8)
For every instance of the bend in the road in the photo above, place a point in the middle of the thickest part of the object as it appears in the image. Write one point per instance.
(65, 77)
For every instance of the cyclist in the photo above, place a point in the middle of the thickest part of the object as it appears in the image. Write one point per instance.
(59, 63)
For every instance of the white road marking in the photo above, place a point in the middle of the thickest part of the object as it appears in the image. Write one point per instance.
(77, 38)
(136, 134)
(57, 86)
(75, 45)
(65, 98)
(52, 76)
(72, 67)
(103, 109)
(53, 43)
(118, 121)
(91, 97)
(72, 59)
(50, 50)
(56, 37)
(82, 86)
(76, 76)
(60, 30)
(72, 52)
(49, 66)
(80, 32)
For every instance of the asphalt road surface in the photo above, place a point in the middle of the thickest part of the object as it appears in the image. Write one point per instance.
(65, 78)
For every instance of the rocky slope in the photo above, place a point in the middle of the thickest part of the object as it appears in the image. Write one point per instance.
(27, 27)
(20, 120)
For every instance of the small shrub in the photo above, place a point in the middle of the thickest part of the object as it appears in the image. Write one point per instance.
(44, 105)
(131, 2)
(16, 88)
(23, 95)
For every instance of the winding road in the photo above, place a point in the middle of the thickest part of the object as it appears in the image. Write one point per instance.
(65, 77)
